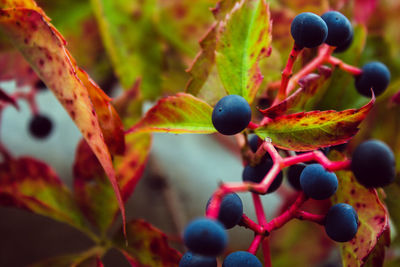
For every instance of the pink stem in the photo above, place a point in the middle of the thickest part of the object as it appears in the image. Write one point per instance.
(254, 245)
(287, 73)
(320, 157)
(248, 223)
(323, 53)
(259, 209)
(287, 215)
(346, 67)
(303, 215)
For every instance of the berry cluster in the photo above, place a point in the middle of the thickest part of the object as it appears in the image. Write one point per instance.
(311, 173)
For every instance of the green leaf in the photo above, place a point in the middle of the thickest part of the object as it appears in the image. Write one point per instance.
(32, 185)
(372, 215)
(94, 192)
(244, 38)
(129, 35)
(148, 245)
(314, 129)
(44, 48)
(182, 113)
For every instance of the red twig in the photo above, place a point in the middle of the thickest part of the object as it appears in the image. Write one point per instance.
(303, 215)
(253, 125)
(248, 223)
(254, 245)
(346, 67)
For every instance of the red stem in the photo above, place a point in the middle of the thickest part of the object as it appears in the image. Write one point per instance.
(287, 73)
(259, 209)
(346, 67)
(248, 223)
(252, 125)
(303, 215)
(287, 215)
(323, 54)
(254, 245)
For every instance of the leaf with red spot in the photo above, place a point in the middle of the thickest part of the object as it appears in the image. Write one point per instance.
(148, 245)
(93, 191)
(309, 86)
(244, 37)
(32, 185)
(4, 97)
(372, 215)
(182, 113)
(44, 48)
(77, 260)
(312, 130)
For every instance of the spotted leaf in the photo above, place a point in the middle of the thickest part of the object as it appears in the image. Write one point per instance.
(244, 38)
(311, 130)
(182, 113)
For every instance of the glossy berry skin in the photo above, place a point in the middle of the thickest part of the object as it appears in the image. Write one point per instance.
(193, 260)
(339, 28)
(346, 44)
(241, 259)
(293, 175)
(317, 183)
(254, 143)
(374, 75)
(40, 126)
(341, 222)
(308, 30)
(231, 210)
(373, 164)
(257, 173)
(205, 236)
(231, 115)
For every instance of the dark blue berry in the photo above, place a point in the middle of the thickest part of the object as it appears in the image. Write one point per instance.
(374, 75)
(257, 173)
(308, 30)
(254, 143)
(339, 28)
(346, 44)
(318, 183)
(231, 115)
(40, 126)
(293, 175)
(193, 260)
(373, 164)
(341, 222)
(231, 210)
(241, 259)
(206, 237)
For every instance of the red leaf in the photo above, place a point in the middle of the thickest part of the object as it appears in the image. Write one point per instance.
(44, 47)
(363, 9)
(32, 185)
(148, 246)
(92, 190)
(311, 130)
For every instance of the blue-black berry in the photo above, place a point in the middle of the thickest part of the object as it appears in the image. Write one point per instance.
(341, 222)
(241, 259)
(231, 115)
(373, 164)
(193, 260)
(231, 210)
(293, 175)
(206, 237)
(346, 44)
(339, 28)
(257, 173)
(308, 30)
(318, 183)
(40, 126)
(374, 75)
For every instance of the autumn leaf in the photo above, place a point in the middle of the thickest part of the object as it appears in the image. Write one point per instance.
(148, 246)
(44, 48)
(372, 215)
(311, 130)
(32, 185)
(13, 66)
(182, 113)
(244, 38)
(93, 191)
